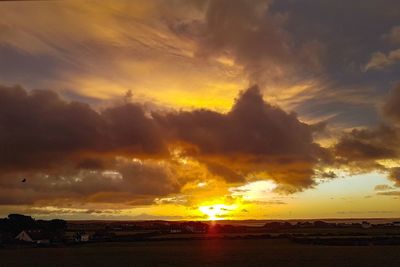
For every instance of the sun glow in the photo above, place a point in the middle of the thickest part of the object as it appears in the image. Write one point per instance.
(217, 211)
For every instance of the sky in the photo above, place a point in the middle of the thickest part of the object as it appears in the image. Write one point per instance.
(200, 110)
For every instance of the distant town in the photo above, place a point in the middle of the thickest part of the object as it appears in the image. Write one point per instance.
(21, 231)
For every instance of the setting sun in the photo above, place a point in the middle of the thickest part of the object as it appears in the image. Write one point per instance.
(217, 211)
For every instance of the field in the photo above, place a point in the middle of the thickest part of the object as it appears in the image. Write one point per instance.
(214, 252)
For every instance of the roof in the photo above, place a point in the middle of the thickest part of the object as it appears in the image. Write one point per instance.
(31, 235)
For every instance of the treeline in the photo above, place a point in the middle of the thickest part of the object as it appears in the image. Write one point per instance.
(282, 225)
(15, 223)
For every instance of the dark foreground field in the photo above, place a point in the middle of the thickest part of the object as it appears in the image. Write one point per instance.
(218, 252)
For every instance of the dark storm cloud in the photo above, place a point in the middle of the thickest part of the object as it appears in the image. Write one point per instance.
(252, 137)
(39, 129)
(69, 151)
(367, 149)
(368, 144)
(130, 130)
(66, 150)
(224, 172)
(252, 126)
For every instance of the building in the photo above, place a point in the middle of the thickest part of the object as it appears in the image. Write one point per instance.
(365, 225)
(85, 238)
(81, 237)
(33, 236)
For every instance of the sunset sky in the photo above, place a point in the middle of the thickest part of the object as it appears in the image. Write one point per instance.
(197, 110)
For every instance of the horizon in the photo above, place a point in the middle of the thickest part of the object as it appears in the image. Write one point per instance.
(226, 221)
(200, 110)
(222, 221)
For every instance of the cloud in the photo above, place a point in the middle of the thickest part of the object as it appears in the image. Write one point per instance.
(382, 187)
(394, 175)
(251, 35)
(69, 152)
(391, 107)
(365, 150)
(368, 144)
(302, 57)
(129, 183)
(40, 130)
(296, 55)
(252, 137)
(389, 193)
(247, 32)
(380, 60)
(224, 172)
(373, 148)
(100, 52)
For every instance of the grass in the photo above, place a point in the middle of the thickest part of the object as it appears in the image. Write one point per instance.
(219, 252)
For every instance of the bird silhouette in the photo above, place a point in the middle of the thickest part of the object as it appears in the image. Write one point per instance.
(23, 180)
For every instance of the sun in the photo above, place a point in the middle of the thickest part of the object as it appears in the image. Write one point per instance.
(217, 211)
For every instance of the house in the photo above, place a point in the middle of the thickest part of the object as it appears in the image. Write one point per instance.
(365, 225)
(194, 227)
(24, 236)
(33, 236)
(81, 237)
(85, 238)
(175, 230)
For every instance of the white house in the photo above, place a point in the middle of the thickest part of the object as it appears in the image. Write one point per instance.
(34, 236)
(82, 237)
(366, 225)
(85, 238)
(24, 236)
